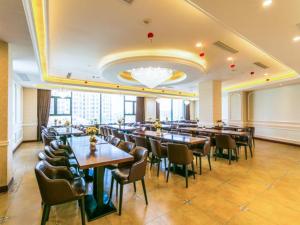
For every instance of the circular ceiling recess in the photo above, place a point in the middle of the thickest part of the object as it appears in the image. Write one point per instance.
(186, 66)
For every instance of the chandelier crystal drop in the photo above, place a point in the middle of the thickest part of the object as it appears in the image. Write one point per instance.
(151, 76)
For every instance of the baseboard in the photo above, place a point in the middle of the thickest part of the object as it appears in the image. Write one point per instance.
(27, 141)
(7, 187)
(277, 141)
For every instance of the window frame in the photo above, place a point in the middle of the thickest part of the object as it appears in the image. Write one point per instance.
(55, 98)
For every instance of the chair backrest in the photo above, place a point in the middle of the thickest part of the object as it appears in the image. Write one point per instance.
(53, 191)
(206, 148)
(101, 131)
(52, 161)
(141, 141)
(179, 154)
(225, 142)
(126, 146)
(138, 168)
(115, 132)
(155, 147)
(115, 141)
(127, 137)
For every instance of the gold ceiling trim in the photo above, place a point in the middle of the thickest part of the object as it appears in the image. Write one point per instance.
(38, 14)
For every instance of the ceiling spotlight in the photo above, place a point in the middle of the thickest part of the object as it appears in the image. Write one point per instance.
(198, 45)
(266, 74)
(267, 3)
(296, 39)
(229, 59)
(69, 74)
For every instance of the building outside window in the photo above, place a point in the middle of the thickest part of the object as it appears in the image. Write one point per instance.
(171, 109)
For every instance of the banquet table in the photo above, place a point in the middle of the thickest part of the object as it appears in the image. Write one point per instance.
(124, 128)
(214, 131)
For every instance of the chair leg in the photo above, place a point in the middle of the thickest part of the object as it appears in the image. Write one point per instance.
(134, 186)
(169, 168)
(236, 155)
(186, 176)
(45, 213)
(111, 189)
(151, 162)
(208, 159)
(48, 213)
(216, 153)
(251, 153)
(158, 166)
(196, 160)
(117, 190)
(246, 157)
(229, 153)
(165, 161)
(144, 189)
(82, 211)
(121, 198)
(193, 169)
(200, 165)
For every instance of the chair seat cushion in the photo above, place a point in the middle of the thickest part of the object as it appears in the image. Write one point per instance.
(121, 174)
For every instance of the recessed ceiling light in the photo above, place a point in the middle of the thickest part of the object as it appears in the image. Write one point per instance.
(198, 44)
(296, 39)
(229, 58)
(267, 3)
(266, 74)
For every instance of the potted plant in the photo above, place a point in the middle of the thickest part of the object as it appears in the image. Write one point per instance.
(92, 131)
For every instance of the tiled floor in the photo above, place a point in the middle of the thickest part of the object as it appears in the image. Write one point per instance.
(262, 190)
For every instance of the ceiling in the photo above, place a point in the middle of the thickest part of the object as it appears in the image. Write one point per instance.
(80, 34)
(14, 30)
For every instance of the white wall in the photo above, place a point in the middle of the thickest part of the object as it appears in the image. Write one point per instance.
(30, 114)
(276, 113)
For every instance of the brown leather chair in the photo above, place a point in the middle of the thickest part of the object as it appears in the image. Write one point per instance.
(135, 172)
(141, 141)
(55, 144)
(115, 141)
(58, 186)
(115, 132)
(47, 138)
(126, 146)
(158, 152)
(199, 153)
(101, 132)
(128, 137)
(245, 141)
(180, 154)
(226, 142)
(69, 161)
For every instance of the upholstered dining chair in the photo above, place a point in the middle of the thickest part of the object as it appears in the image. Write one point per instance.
(202, 152)
(126, 146)
(115, 141)
(58, 186)
(159, 152)
(226, 142)
(180, 154)
(131, 174)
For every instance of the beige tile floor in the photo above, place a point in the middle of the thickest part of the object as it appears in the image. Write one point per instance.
(262, 190)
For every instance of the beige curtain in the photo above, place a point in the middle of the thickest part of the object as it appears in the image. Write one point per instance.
(157, 111)
(43, 109)
(140, 109)
(187, 112)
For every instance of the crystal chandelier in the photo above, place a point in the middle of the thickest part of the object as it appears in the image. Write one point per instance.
(151, 76)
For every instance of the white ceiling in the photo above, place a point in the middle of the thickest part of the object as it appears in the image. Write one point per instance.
(14, 30)
(82, 32)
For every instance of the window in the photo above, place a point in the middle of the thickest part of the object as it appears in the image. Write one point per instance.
(60, 107)
(130, 108)
(171, 109)
(112, 108)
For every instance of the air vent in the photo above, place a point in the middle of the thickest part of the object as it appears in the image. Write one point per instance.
(128, 1)
(261, 65)
(23, 77)
(298, 25)
(225, 47)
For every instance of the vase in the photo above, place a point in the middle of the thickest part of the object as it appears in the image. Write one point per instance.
(92, 146)
(158, 131)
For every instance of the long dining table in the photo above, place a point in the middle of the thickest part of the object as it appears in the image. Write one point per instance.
(176, 138)
(124, 128)
(196, 130)
(96, 203)
(65, 132)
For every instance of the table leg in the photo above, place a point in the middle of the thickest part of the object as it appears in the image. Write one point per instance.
(96, 204)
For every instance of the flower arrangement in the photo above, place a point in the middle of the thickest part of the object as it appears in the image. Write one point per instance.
(157, 125)
(91, 131)
(220, 123)
(67, 123)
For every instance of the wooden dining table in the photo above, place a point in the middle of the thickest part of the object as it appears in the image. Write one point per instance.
(97, 203)
(176, 138)
(213, 131)
(65, 132)
(124, 128)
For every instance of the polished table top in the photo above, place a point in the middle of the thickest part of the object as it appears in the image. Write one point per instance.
(152, 125)
(105, 153)
(172, 137)
(122, 127)
(67, 130)
(214, 131)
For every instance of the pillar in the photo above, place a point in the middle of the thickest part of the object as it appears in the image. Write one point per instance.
(5, 153)
(210, 102)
